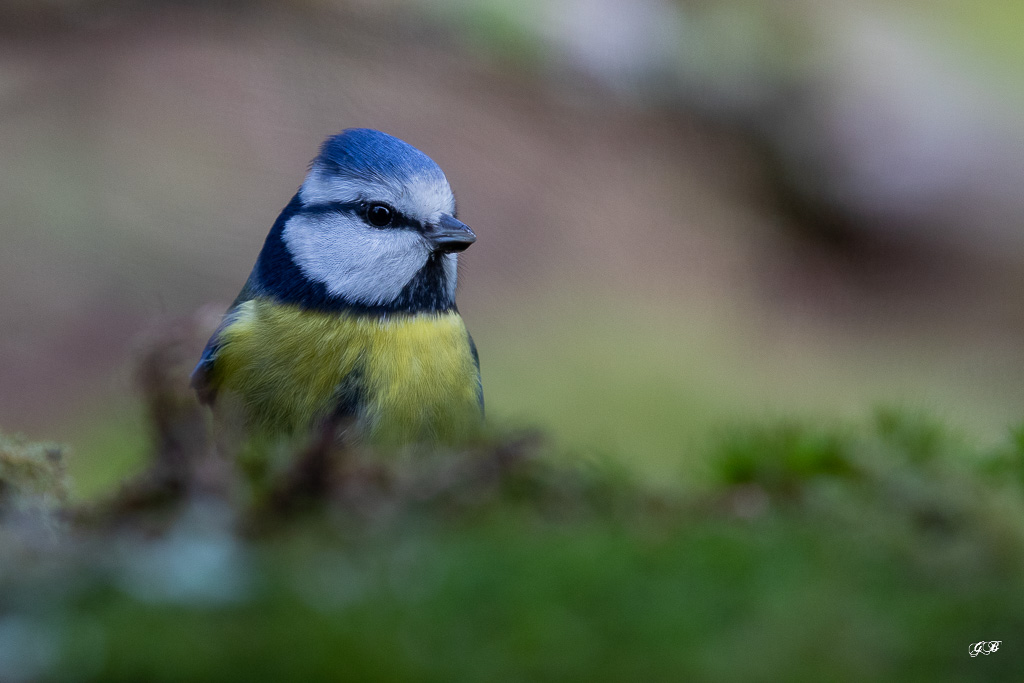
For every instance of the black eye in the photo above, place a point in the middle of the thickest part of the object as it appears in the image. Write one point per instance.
(379, 215)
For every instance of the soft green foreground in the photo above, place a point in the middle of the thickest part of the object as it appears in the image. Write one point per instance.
(877, 551)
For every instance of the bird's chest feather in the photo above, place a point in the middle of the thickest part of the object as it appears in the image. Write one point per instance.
(405, 377)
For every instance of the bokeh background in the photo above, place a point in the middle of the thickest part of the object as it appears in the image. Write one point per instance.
(688, 211)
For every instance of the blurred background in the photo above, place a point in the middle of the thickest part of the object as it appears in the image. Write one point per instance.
(689, 211)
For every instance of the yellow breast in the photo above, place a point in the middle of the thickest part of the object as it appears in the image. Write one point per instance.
(409, 378)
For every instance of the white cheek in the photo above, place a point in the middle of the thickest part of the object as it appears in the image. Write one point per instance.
(362, 264)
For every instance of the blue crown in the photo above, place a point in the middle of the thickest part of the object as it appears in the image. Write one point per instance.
(367, 153)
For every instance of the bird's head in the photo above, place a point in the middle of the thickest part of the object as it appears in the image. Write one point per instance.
(374, 225)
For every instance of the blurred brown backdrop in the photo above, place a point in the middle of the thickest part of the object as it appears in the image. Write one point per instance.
(687, 211)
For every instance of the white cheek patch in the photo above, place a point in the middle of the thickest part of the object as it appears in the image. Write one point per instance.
(362, 264)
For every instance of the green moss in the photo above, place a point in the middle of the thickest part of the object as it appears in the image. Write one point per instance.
(863, 551)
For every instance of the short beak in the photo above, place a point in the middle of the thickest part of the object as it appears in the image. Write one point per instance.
(449, 235)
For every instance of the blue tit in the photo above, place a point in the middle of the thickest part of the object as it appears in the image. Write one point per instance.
(349, 313)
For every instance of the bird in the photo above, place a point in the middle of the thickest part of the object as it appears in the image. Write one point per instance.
(349, 314)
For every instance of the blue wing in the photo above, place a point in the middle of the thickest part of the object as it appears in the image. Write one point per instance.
(201, 380)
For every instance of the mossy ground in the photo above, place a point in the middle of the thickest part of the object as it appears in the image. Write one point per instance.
(871, 551)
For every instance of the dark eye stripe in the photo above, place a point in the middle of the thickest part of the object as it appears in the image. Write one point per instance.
(357, 209)
(331, 207)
